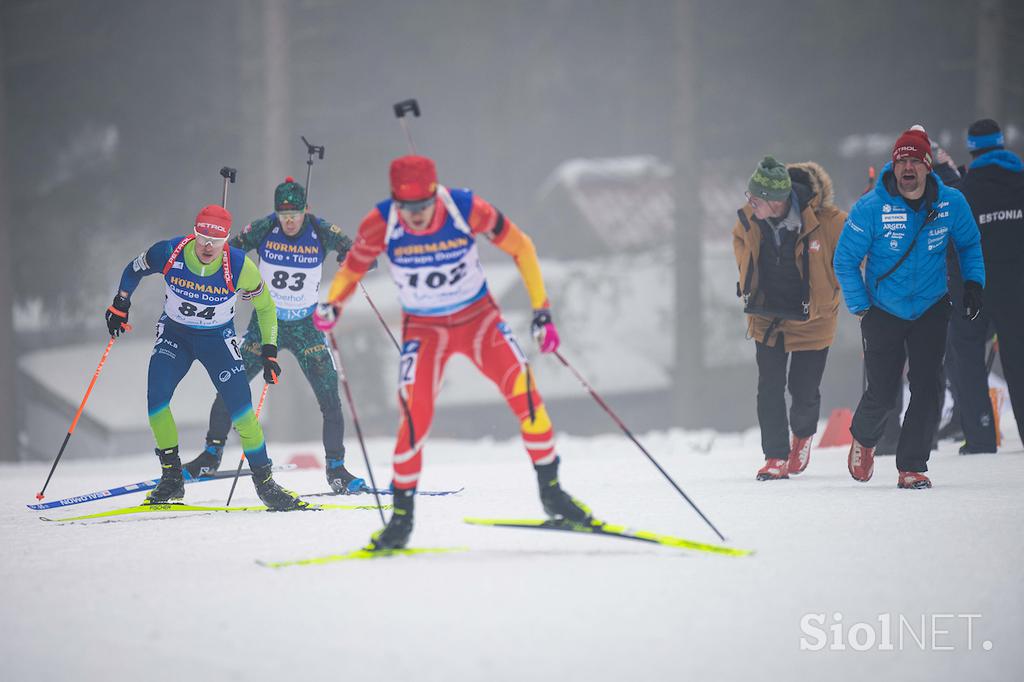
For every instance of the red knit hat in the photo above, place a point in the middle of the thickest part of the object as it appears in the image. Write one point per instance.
(413, 178)
(214, 222)
(913, 143)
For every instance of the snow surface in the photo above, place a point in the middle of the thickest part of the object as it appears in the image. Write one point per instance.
(182, 598)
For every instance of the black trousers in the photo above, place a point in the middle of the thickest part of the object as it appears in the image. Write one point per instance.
(968, 377)
(805, 371)
(1004, 302)
(889, 341)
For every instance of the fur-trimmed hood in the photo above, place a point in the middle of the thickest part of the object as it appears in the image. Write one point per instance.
(813, 176)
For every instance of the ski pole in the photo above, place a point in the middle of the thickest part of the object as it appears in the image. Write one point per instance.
(238, 471)
(318, 150)
(355, 421)
(311, 149)
(402, 108)
(630, 435)
(380, 317)
(227, 173)
(74, 422)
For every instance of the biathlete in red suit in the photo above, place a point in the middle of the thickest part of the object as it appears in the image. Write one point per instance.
(429, 234)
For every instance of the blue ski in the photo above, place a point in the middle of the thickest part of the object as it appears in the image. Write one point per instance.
(141, 486)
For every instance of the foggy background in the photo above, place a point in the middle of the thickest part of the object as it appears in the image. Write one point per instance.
(583, 121)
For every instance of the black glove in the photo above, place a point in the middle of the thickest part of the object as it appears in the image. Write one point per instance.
(973, 302)
(271, 370)
(117, 315)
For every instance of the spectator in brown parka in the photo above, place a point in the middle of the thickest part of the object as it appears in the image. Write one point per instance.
(784, 241)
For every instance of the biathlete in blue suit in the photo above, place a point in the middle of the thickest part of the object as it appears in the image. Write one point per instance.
(203, 277)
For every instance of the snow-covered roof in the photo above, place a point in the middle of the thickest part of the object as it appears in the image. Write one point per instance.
(626, 200)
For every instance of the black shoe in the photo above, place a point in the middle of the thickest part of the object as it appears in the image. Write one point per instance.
(557, 503)
(171, 487)
(342, 480)
(273, 495)
(396, 534)
(207, 462)
(968, 449)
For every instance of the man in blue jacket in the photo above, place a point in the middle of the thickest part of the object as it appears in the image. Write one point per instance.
(902, 227)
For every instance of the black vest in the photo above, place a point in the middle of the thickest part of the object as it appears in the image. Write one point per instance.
(778, 277)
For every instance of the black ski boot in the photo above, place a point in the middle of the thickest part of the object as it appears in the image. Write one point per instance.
(558, 504)
(171, 487)
(273, 495)
(207, 462)
(341, 480)
(396, 534)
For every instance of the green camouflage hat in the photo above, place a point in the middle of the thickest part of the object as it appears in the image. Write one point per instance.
(770, 181)
(289, 196)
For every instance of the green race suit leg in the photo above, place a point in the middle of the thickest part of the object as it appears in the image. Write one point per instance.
(220, 417)
(223, 361)
(310, 347)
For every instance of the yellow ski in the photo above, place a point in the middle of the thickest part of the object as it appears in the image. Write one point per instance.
(150, 508)
(602, 528)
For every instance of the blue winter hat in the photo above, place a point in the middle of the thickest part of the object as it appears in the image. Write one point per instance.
(984, 134)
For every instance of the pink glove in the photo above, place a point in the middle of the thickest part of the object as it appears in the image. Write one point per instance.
(325, 317)
(544, 331)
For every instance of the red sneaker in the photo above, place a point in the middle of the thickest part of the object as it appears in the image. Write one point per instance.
(772, 470)
(799, 455)
(861, 461)
(913, 479)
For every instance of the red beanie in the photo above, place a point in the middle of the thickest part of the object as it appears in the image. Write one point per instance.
(913, 143)
(413, 178)
(214, 222)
